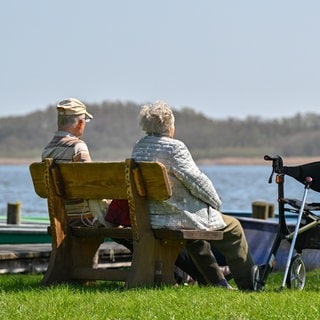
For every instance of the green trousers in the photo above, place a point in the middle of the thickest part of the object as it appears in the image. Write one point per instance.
(233, 247)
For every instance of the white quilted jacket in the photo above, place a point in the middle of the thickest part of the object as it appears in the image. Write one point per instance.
(195, 202)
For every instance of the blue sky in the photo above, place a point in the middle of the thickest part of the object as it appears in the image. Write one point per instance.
(226, 58)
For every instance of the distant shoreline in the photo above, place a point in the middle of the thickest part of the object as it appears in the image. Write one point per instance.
(16, 161)
(218, 161)
(291, 161)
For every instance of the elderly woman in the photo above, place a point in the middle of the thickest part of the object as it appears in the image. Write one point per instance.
(194, 202)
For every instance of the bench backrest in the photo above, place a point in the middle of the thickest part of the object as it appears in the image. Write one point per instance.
(101, 180)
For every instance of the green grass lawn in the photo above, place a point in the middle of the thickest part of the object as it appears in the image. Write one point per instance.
(21, 297)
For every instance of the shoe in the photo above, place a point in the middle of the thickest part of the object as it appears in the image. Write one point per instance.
(226, 272)
(224, 284)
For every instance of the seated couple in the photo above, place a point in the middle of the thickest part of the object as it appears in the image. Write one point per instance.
(194, 202)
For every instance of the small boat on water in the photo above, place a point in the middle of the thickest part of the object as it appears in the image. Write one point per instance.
(24, 233)
(260, 235)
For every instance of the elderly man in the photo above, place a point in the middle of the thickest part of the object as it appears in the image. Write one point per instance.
(67, 146)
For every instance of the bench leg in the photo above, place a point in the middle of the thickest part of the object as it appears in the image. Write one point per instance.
(85, 252)
(153, 262)
(59, 266)
(70, 254)
(166, 256)
(141, 273)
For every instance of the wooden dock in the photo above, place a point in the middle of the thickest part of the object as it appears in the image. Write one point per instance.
(34, 258)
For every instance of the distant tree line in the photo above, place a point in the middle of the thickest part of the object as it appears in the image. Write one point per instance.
(114, 130)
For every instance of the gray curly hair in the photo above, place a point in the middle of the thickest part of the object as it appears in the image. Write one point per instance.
(156, 118)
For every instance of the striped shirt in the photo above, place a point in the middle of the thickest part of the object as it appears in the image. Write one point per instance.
(65, 147)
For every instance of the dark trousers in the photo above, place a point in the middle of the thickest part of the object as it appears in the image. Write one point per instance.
(234, 248)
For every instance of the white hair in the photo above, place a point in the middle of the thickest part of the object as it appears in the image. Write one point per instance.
(156, 118)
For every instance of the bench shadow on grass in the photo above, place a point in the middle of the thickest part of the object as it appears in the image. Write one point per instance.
(27, 282)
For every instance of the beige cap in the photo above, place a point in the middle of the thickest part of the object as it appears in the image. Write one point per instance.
(72, 107)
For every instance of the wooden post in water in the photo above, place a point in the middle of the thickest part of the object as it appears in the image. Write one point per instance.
(14, 213)
(270, 210)
(260, 210)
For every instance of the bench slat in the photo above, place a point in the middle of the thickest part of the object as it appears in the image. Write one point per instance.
(180, 234)
(91, 180)
(117, 233)
(126, 233)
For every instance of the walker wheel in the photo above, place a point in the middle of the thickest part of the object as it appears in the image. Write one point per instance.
(296, 278)
(256, 278)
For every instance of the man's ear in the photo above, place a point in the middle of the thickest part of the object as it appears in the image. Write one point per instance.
(80, 123)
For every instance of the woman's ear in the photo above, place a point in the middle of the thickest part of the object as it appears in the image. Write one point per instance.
(171, 132)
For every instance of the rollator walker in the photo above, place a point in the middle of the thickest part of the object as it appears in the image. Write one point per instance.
(306, 232)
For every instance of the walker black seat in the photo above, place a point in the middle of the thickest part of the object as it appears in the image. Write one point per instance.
(300, 173)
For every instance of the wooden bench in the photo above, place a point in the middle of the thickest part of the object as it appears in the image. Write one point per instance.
(74, 247)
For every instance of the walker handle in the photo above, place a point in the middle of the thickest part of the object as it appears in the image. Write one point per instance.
(277, 165)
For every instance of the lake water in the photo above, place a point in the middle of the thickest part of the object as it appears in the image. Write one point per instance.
(238, 187)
